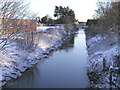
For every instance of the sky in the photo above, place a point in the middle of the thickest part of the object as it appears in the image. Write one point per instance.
(84, 9)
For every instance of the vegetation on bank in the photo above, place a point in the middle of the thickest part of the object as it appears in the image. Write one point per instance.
(103, 46)
(13, 20)
(107, 18)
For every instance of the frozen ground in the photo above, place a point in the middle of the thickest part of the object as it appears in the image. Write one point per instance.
(21, 53)
(104, 58)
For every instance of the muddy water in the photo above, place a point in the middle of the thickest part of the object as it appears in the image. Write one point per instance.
(64, 68)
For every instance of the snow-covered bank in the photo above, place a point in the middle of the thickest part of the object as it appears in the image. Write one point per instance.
(43, 29)
(104, 57)
(18, 56)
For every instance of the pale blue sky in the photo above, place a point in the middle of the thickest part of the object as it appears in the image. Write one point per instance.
(84, 9)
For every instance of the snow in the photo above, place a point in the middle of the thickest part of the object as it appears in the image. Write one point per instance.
(15, 58)
(95, 39)
(45, 28)
(102, 48)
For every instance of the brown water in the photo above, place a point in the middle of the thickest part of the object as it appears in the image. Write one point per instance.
(64, 68)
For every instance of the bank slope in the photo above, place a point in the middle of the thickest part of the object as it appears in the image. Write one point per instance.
(19, 56)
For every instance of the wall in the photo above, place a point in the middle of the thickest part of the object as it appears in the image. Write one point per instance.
(19, 25)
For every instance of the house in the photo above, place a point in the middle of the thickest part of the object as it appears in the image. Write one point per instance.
(17, 25)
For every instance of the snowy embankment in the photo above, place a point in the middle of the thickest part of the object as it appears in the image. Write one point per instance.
(45, 28)
(104, 58)
(20, 54)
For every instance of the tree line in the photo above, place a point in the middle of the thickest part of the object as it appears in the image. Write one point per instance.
(64, 15)
(108, 16)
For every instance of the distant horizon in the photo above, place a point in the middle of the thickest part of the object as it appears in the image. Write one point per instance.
(83, 9)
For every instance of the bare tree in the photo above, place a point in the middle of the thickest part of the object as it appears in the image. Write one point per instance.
(12, 9)
(9, 10)
(107, 13)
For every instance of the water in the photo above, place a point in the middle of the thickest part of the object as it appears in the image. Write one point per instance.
(64, 68)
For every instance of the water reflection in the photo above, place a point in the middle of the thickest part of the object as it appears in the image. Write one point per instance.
(28, 75)
(69, 44)
(65, 68)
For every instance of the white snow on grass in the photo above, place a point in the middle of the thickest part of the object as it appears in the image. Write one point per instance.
(14, 59)
(95, 39)
(103, 48)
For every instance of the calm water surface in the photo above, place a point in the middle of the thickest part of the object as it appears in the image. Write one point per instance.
(64, 68)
